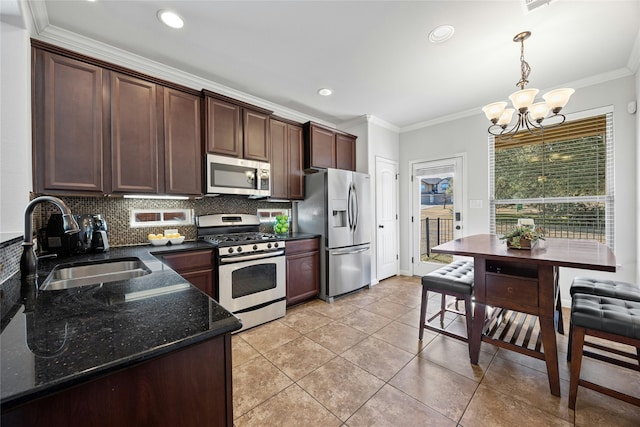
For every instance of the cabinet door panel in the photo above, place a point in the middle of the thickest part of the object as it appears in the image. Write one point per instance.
(296, 163)
(182, 143)
(345, 152)
(303, 277)
(256, 135)
(202, 280)
(279, 160)
(224, 131)
(322, 148)
(134, 134)
(68, 119)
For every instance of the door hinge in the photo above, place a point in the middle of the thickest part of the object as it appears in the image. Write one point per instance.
(397, 175)
(411, 218)
(411, 178)
(411, 260)
(396, 217)
(397, 257)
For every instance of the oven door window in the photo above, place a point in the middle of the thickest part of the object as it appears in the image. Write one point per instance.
(253, 279)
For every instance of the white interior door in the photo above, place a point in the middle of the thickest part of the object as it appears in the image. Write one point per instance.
(387, 218)
(437, 194)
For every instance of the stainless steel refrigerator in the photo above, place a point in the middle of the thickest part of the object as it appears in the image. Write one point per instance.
(337, 206)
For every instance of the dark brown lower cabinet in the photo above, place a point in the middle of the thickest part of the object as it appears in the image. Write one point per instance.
(195, 266)
(303, 270)
(188, 387)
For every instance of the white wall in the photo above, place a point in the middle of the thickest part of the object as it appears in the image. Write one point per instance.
(637, 114)
(15, 122)
(469, 135)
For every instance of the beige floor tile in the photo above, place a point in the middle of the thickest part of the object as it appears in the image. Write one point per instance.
(341, 386)
(612, 376)
(404, 337)
(378, 357)
(387, 309)
(335, 310)
(598, 410)
(391, 407)
(411, 318)
(365, 321)
(528, 385)
(291, 407)
(437, 387)
(254, 382)
(299, 357)
(537, 364)
(337, 336)
(406, 298)
(491, 408)
(360, 299)
(241, 351)
(305, 320)
(269, 336)
(454, 355)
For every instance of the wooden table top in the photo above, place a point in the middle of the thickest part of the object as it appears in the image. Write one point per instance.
(577, 253)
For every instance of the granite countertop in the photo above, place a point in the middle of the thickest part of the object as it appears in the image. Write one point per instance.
(52, 340)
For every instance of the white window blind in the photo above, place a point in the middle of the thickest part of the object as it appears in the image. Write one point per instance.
(562, 178)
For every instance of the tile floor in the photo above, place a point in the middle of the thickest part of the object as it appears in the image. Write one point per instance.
(358, 362)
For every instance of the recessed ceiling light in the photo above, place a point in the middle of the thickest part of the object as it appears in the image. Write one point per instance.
(170, 18)
(324, 91)
(441, 34)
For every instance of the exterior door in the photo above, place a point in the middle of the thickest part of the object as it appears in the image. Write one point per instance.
(437, 189)
(386, 218)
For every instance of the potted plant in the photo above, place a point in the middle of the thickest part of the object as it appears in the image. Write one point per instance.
(523, 236)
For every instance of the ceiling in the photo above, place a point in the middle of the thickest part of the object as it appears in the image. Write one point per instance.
(374, 55)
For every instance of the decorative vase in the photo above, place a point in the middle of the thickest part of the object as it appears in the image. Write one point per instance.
(524, 244)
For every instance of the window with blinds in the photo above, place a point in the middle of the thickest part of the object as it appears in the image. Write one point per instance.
(562, 179)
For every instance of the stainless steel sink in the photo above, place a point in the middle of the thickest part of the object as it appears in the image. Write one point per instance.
(69, 276)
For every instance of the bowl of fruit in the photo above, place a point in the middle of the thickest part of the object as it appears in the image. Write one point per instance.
(157, 239)
(174, 236)
(281, 226)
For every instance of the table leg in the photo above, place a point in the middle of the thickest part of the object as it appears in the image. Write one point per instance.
(479, 313)
(547, 330)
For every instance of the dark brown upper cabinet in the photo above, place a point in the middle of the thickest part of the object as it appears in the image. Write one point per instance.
(68, 124)
(287, 161)
(102, 129)
(328, 148)
(182, 143)
(134, 134)
(235, 129)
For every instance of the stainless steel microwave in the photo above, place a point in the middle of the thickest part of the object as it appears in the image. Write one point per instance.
(229, 175)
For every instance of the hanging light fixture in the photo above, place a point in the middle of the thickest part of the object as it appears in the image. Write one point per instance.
(529, 115)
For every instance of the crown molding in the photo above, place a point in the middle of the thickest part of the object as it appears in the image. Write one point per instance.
(368, 119)
(634, 58)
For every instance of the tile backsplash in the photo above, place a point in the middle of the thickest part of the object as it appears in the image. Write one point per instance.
(117, 212)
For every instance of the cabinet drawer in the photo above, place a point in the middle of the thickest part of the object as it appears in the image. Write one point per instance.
(189, 261)
(306, 245)
(512, 292)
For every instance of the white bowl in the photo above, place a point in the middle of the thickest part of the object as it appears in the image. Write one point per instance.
(158, 242)
(177, 240)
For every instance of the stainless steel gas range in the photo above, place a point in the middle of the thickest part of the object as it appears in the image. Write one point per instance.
(251, 279)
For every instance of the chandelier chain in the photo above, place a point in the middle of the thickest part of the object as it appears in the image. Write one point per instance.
(525, 69)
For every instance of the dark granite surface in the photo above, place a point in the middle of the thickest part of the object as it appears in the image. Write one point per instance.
(52, 340)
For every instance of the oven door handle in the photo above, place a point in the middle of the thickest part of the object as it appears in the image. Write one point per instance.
(239, 258)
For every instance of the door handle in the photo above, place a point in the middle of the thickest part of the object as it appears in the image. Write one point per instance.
(458, 227)
(381, 226)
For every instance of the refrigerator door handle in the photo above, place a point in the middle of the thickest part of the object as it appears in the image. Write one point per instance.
(350, 206)
(356, 208)
(350, 252)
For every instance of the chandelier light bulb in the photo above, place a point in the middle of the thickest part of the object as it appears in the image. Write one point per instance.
(505, 117)
(558, 98)
(494, 111)
(523, 99)
(539, 111)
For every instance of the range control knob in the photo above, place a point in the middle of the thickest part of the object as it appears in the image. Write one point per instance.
(239, 248)
(269, 245)
(255, 247)
(276, 244)
(230, 250)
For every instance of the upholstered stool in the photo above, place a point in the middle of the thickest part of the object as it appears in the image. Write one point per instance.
(456, 280)
(604, 288)
(607, 318)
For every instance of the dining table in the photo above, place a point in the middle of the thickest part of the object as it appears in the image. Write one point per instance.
(517, 303)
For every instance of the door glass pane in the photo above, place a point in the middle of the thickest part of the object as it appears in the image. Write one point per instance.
(436, 186)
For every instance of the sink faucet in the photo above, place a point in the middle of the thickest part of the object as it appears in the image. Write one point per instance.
(29, 261)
